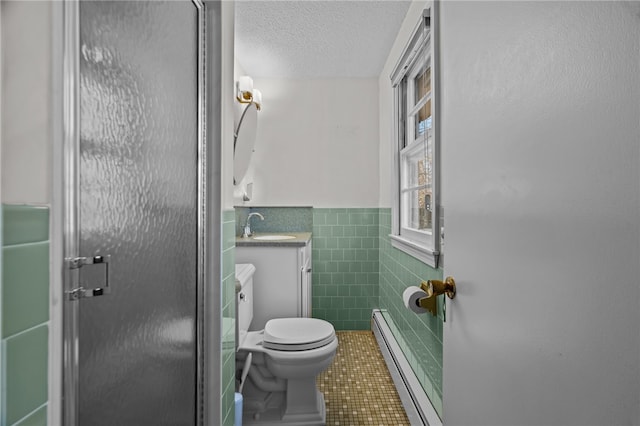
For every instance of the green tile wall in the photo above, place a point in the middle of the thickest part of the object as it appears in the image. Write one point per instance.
(25, 224)
(25, 290)
(419, 336)
(26, 373)
(228, 369)
(345, 266)
(37, 418)
(276, 219)
(25, 314)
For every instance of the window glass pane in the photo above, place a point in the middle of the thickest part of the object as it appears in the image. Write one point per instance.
(422, 88)
(417, 170)
(423, 119)
(422, 84)
(418, 209)
(417, 165)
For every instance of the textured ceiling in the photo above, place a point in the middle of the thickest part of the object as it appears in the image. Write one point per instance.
(307, 39)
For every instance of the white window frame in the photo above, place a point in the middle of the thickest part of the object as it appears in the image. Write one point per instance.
(421, 50)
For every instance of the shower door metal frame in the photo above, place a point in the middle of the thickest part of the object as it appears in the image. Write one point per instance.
(71, 237)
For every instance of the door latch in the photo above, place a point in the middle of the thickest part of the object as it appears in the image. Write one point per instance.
(81, 292)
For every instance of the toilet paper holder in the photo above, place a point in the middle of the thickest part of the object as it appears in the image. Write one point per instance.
(435, 288)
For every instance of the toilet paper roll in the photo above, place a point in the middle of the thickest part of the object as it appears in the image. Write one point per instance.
(410, 298)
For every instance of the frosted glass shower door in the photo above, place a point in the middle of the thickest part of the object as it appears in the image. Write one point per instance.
(137, 202)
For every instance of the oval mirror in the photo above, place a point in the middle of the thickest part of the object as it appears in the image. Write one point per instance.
(244, 140)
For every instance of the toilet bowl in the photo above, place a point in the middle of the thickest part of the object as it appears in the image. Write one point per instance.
(286, 357)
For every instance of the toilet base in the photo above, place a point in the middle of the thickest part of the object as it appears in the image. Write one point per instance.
(268, 400)
(274, 417)
(280, 387)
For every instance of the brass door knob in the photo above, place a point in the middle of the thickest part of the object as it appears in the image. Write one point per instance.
(437, 287)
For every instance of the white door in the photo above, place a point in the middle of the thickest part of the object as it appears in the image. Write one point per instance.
(541, 183)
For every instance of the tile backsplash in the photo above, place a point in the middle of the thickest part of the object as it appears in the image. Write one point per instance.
(276, 219)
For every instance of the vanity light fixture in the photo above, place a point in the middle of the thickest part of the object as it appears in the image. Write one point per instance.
(246, 94)
(245, 89)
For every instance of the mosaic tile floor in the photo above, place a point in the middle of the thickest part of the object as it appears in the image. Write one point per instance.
(357, 387)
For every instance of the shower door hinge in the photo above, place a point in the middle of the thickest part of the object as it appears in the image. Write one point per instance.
(81, 292)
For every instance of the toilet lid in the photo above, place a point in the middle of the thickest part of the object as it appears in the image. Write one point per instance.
(297, 334)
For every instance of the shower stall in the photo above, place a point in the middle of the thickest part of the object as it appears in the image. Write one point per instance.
(139, 203)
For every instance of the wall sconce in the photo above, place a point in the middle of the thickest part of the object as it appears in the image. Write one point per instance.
(246, 94)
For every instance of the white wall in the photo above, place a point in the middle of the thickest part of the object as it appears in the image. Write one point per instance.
(386, 101)
(317, 143)
(26, 102)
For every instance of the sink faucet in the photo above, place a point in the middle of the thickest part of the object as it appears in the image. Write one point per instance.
(247, 227)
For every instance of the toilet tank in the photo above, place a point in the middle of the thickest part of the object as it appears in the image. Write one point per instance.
(244, 299)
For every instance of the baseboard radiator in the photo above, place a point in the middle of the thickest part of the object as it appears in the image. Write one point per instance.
(414, 399)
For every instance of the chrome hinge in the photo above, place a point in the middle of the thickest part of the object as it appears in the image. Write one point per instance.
(79, 262)
(81, 292)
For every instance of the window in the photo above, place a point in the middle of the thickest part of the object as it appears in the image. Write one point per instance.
(416, 208)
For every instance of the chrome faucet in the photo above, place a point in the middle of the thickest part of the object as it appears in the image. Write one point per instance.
(247, 227)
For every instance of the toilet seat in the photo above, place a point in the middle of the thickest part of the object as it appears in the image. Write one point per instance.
(297, 334)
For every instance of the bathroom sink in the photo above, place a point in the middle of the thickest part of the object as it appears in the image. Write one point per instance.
(274, 237)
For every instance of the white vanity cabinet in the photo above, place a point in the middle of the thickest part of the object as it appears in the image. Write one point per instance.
(282, 280)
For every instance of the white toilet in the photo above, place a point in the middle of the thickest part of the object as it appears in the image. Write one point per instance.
(285, 359)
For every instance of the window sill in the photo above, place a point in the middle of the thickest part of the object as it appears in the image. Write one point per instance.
(420, 252)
